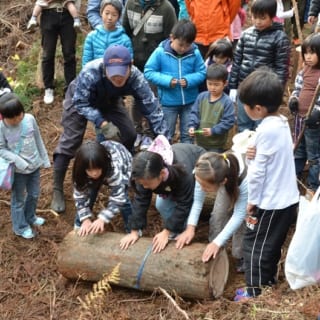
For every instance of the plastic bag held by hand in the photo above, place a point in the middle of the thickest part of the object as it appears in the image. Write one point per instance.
(293, 105)
(111, 132)
(302, 265)
(233, 95)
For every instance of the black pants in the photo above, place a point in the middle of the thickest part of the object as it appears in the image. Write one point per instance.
(56, 24)
(74, 127)
(262, 247)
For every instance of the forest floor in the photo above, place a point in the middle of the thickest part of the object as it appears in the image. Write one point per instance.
(31, 287)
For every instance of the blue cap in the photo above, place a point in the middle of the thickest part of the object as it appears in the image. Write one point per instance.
(116, 59)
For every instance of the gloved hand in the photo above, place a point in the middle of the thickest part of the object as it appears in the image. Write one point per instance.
(233, 95)
(111, 132)
(293, 105)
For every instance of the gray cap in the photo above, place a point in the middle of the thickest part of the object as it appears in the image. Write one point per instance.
(116, 3)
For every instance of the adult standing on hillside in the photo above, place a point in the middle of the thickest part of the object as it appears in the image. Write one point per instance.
(97, 95)
(56, 21)
(213, 19)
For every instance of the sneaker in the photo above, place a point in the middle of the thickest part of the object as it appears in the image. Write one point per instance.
(138, 140)
(240, 265)
(77, 24)
(243, 296)
(27, 234)
(48, 96)
(172, 235)
(240, 291)
(32, 23)
(39, 221)
(145, 143)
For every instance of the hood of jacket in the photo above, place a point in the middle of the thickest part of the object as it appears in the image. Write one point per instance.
(166, 44)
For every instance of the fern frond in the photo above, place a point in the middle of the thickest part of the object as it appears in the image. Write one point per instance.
(99, 290)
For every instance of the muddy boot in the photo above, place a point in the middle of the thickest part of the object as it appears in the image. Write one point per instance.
(58, 203)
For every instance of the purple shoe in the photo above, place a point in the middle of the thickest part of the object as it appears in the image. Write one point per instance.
(240, 291)
(243, 296)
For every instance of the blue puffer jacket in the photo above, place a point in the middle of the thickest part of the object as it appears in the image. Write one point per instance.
(164, 65)
(98, 40)
(270, 48)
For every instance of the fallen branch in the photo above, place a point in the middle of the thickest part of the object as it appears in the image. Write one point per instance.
(136, 300)
(184, 313)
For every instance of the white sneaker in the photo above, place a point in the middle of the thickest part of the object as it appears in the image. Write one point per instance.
(48, 96)
(39, 221)
(138, 140)
(32, 23)
(146, 143)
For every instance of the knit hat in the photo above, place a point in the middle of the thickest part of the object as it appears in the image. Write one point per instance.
(162, 146)
(115, 3)
(116, 59)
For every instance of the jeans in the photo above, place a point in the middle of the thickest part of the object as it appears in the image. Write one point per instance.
(243, 121)
(24, 200)
(126, 210)
(55, 24)
(166, 208)
(171, 115)
(309, 149)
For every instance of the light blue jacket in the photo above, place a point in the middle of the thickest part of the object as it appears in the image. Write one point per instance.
(98, 40)
(183, 12)
(164, 65)
(23, 145)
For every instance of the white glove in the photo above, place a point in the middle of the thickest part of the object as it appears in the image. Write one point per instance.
(233, 95)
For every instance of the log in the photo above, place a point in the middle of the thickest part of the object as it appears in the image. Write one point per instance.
(91, 257)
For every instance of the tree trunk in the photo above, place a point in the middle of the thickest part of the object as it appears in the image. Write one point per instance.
(89, 258)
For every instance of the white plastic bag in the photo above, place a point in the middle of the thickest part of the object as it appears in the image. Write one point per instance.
(302, 265)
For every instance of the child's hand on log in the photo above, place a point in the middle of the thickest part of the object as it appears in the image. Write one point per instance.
(211, 250)
(85, 228)
(129, 239)
(185, 237)
(160, 241)
(97, 226)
